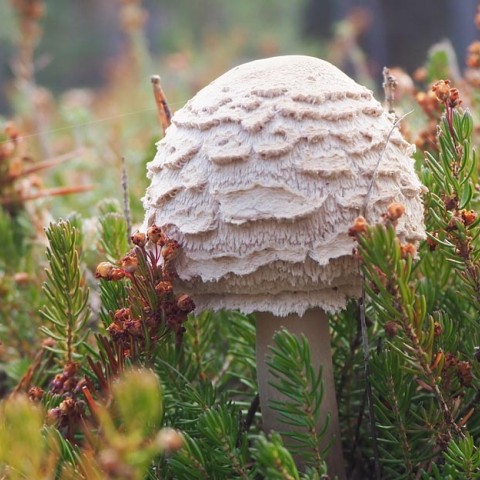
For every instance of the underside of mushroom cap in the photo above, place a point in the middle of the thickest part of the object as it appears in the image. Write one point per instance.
(261, 175)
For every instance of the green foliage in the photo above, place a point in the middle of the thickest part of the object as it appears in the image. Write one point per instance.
(424, 380)
(113, 231)
(274, 460)
(291, 367)
(220, 449)
(11, 251)
(67, 307)
(25, 452)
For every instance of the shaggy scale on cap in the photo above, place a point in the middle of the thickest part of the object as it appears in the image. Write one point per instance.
(262, 173)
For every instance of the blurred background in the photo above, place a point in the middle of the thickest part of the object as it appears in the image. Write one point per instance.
(82, 41)
(76, 74)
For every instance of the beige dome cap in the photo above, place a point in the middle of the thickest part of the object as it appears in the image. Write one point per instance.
(262, 173)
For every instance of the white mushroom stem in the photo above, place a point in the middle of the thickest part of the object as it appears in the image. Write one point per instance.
(314, 325)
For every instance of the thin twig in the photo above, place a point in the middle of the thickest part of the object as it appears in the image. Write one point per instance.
(370, 187)
(251, 412)
(47, 192)
(164, 113)
(126, 200)
(368, 390)
(389, 86)
(45, 164)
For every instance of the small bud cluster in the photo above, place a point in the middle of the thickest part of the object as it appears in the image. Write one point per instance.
(394, 212)
(71, 409)
(153, 305)
(473, 55)
(440, 94)
(455, 370)
(446, 94)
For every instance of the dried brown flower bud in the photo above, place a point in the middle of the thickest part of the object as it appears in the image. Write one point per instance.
(170, 251)
(67, 406)
(442, 90)
(35, 393)
(129, 262)
(394, 211)
(473, 55)
(134, 328)
(408, 250)
(11, 131)
(185, 303)
(6, 150)
(360, 226)
(450, 360)
(437, 329)
(453, 223)
(164, 288)
(454, 99)
(139, 239)
(155, 235)
(70, 369)
(112, 464)
(391, 328)
(451, 203)
(468, 217)
(420, 74)
(116, 331)
(122, 315)
(21, 278)
(169, 440)
(53, 415)
(104, 270)
(464, 371)
(117, 274)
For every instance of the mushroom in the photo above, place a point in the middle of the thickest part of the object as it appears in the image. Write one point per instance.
(259, 178)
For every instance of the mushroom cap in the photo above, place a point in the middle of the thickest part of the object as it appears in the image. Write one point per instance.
(260, 176)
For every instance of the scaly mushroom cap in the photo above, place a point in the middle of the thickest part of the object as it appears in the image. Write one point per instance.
(262, 173)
